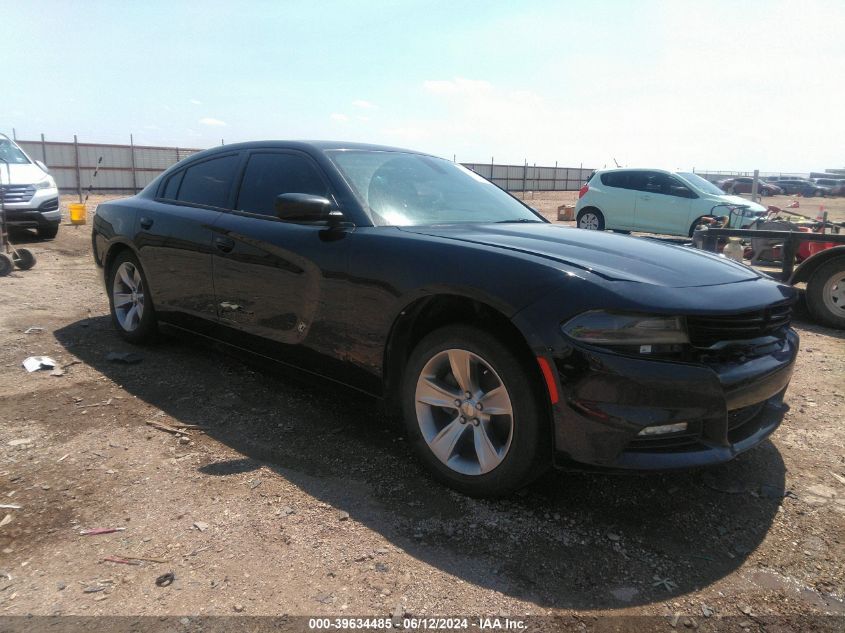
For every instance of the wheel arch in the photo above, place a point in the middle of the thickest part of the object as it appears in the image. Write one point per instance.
(113, 250)
(806, 268)
(590, 207)
(431, 312)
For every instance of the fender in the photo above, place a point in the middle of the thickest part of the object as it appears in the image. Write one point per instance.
(806, 269)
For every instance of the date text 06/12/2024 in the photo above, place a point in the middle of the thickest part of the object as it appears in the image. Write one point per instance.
(482, 623)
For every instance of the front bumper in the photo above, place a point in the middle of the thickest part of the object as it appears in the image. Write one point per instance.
(42, 209)
(607, 399)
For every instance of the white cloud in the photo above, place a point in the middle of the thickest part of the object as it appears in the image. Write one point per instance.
(212, 122)
(196, 101)
(337, 116)
(366, 105)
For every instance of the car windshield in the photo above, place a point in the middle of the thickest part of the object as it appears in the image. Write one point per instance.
(701, 184)
(11, 153)
(402, 189)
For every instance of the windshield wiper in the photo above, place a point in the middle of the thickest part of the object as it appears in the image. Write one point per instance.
(521, 220)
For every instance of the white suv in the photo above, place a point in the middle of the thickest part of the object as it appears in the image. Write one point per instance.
(656, 201)
(28, 192)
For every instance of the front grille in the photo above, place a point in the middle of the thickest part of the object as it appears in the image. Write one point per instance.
(16, 193)
(705, 331)
(678, 443)
(744, 422)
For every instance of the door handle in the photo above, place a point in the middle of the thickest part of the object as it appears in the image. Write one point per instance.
(224, 244)
(645, 197)
(145, 223)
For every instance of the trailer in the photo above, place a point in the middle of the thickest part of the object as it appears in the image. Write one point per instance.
(823, 272)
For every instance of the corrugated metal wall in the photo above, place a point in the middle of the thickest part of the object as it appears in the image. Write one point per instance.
(532, 177)
(73, 164)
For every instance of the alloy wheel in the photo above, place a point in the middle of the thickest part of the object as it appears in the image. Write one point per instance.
(589, 221)
(128, 296)
(464, 412)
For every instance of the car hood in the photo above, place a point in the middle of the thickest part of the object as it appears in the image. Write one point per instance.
(610, 256)
(752, 206)
(26, 174)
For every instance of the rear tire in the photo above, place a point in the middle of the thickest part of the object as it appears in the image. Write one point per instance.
(130, 300)
(477, 453)
(48, 232)
(826, 293)
(591, 219)
(23, 258)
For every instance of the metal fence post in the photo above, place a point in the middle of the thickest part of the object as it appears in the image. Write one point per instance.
(755, 185)
(524, 174)
(78, 176)
(554, 178)
(43, 149)
(134, 172)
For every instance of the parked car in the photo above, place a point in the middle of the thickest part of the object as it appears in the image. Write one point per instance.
(508, 343)
(741, 184)
(835, 186)
(656, 201)
(806, 188)
(28, 191)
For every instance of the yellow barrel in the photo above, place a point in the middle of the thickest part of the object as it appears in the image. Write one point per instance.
(77, 213)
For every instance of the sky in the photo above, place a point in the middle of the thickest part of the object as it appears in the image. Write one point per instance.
(706, 85)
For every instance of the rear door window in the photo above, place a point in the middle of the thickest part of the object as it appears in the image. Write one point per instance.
(269, 175)
(209, 183)
(616, 179)
(639, 180)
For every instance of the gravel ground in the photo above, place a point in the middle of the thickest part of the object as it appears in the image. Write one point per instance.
(286, 496)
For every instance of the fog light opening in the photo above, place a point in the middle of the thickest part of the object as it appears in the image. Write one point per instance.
(663, 429)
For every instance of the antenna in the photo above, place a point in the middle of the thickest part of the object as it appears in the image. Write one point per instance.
(616, 163)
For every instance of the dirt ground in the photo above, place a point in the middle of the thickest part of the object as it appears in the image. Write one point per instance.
(294, 497)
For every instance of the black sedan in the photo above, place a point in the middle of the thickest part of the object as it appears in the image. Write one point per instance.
(507, 343)
(806, 188)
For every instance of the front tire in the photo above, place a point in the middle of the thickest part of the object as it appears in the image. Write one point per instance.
(473, 412)
(132, 311)
(591, 219)
(48, 231)
(826, 293)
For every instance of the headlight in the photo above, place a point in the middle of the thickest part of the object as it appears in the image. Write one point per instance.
(47, 183)
(605, 328)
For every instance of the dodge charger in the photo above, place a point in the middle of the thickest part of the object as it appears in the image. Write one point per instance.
(506, 344)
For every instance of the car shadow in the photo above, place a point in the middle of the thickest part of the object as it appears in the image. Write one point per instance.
(579, 540)
(24, 236)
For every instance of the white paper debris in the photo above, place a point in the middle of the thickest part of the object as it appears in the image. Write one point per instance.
(34, 363)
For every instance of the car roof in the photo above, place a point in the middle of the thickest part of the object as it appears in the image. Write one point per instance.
(304, 145)
(624, 169)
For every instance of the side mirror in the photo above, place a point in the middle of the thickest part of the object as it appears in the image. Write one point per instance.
(42, 166)
(304, 207)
